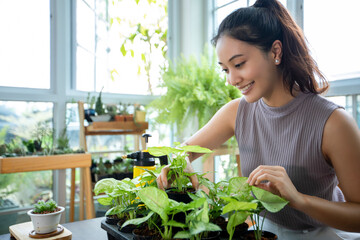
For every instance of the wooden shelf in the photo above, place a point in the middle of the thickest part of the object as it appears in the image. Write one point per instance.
(42, 163)
(115, 128)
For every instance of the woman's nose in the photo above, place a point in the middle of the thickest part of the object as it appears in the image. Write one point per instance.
(232, 79)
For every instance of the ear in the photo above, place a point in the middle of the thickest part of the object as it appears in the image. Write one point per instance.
(276, 51)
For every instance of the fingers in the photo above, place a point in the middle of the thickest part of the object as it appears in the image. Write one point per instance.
(161, 180)
(266, 173)
(194, 181)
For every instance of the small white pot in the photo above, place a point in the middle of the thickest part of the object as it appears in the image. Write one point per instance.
(45, 223)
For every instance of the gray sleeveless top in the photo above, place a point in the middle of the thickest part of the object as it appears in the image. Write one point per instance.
(289, 136)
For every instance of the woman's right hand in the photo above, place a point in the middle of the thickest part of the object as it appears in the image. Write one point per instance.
(162, 179)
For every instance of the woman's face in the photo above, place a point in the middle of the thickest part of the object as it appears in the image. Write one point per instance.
(248, 68)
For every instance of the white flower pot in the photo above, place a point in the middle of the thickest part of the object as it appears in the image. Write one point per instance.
(45, 223)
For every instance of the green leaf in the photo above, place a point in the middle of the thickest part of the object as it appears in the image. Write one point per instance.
(199, 227)
(174, 223)
(123, 50)
(235, 219)
(137, 221)
(161, 151)
(270, 201)
(239, 184)
(183, 234)
(195, 149)
(239, 206)
(106, 201)
(155, 199)
(114, 210)
(105, 185)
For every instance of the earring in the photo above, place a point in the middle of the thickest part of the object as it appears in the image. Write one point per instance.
(277, 60)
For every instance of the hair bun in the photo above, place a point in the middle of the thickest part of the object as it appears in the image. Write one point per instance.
(264, 3)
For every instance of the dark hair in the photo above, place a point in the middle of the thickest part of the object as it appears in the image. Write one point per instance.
(263, 23)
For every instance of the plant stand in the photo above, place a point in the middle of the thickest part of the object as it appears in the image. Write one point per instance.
(21, 232)
(56, 162)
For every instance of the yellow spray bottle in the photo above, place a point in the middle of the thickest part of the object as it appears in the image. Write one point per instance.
(144, 160)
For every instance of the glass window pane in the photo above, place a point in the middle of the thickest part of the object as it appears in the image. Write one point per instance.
(114, 23)
(25, 44)
(18, 123)
(344, 101)
(84, 70)
(85, 26)
(334, 37)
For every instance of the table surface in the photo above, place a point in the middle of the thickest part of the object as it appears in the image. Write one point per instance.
(81, 230)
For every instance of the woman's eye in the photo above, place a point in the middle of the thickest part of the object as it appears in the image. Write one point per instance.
(239, 65)
(224, 70)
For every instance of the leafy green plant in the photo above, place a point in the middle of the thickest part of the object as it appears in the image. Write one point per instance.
(120, 195)
(198, 222)
(158, 202)
(90, 100)
(45, 207)
(151, 35)
(194, 90)
(99, 107)
(177, 159)
(245, 200)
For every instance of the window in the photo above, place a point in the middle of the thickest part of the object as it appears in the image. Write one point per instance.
(25, 44)
(120, 46)
(332, 31)
(19, 123)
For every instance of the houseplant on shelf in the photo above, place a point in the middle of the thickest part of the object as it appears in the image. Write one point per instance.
(45, 216)
(100, 111)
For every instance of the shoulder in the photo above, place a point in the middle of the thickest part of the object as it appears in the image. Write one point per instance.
(341, 147)
(340, 132)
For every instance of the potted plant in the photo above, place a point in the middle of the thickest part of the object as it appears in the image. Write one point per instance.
(100, 110)
(90, 111)
(244, 201)
(198, 222)
(177, 159)
(121, 196)
(213, 194)
(194, 90)
(123, 168)
(45, 216)
(139, 113)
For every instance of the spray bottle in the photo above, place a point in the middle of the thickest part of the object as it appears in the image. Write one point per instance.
(144, 160)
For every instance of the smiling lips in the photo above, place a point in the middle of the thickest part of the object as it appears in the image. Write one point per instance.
(246, 88)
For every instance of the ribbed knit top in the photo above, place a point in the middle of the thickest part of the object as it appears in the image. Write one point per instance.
(289, 136)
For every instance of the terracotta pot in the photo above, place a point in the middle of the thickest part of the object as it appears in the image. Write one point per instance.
(129, 118)
(120, 118)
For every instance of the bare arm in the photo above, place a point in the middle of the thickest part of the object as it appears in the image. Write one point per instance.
(341, 146)
(217, 131)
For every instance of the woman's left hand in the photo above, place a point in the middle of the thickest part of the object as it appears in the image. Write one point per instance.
(275, 179)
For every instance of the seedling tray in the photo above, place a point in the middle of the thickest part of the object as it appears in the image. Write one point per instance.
(113, 233)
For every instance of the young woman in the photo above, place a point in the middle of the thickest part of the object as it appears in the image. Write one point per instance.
(292, 141)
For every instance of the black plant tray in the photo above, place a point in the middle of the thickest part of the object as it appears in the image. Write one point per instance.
(113, 233)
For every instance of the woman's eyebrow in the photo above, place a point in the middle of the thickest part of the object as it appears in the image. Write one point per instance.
(232, 58)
